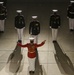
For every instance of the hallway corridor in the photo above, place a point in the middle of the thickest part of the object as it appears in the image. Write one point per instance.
(53, 58)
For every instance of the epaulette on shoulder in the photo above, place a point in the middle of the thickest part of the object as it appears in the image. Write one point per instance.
(4, 7)
(15, 15)
(58, 14)
(31, 21)
(69, 6)
(51, 15)
(22, 15)
(37, 20)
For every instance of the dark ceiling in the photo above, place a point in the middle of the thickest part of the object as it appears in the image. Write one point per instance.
(38, 0)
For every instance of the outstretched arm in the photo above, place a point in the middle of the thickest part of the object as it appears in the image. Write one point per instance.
(19, 44)
(41, 44)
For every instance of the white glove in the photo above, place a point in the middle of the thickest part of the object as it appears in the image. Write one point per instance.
(59, 27)
(50, 26)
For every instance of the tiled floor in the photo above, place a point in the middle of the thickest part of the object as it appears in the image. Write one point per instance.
(53, 58)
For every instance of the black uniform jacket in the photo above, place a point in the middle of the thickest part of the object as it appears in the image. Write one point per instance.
(54, 21)
(3, 12)
(19, 21)
(34, 28)
(70, 11)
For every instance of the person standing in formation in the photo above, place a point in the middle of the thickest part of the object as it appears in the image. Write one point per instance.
(70, 15)
(3, 15)
(19, 25)
(34, 28)
(54, 24)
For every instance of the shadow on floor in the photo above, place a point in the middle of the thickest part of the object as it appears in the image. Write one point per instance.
(14, 60)
(1, 34)
(37, 65)
(64, 63)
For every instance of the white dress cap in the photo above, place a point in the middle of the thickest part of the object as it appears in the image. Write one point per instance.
(1, 2)
(72, 1)
(31, 38)
(34, 17)
(19, 11)
(54, 10)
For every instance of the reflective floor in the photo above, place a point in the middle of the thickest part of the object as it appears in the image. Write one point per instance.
(52, 58)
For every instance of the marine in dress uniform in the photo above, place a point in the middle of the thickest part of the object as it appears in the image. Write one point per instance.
(34, 28)
(54, 24)
(70, 15)
(32, 53)
(19, 24)
(3, 14)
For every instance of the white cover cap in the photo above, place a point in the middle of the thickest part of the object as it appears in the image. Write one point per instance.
(1, 2)
(34, 17)
(18, 11)
(31, 38)
(54, 10)
(72, 1)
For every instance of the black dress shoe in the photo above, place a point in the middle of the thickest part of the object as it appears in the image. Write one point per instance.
(54, 41)
(19, 41)
(33, 72)
(30, 72)
(71, 30)
(1, 31)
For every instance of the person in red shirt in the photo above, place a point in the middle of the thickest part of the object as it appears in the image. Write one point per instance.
(32, 53)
